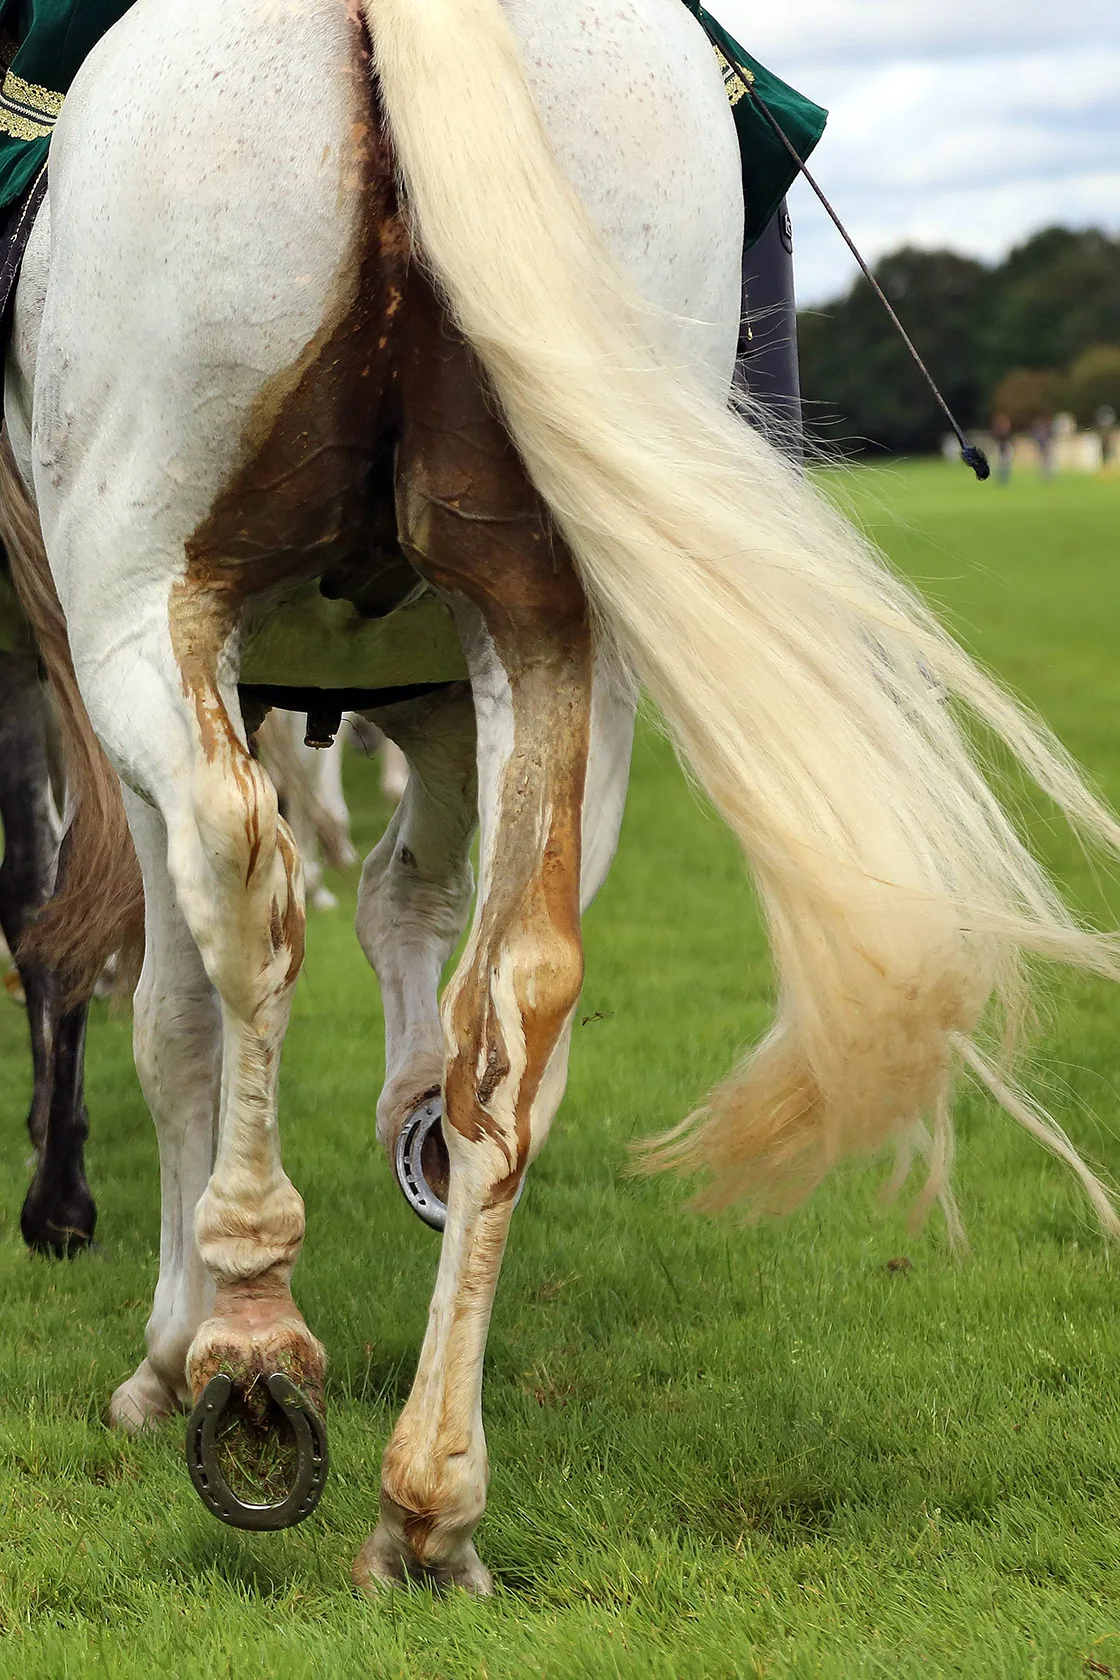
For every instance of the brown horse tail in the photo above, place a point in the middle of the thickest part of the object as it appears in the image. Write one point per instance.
(98, 906)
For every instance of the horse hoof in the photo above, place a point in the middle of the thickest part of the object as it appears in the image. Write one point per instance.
(211, 1484)
(383, 1565)
(62, 1229)
(421, 1164)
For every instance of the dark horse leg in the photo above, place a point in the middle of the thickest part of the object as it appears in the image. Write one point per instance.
(59, 1213)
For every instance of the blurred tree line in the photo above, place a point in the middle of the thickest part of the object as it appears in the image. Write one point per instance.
(1048, 317)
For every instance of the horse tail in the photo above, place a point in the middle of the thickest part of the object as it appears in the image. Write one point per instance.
(97, 910)
(812, 694)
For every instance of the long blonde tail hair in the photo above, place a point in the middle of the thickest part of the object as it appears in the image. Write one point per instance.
(810, 690)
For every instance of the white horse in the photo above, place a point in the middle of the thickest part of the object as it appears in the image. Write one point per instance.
(246, 361)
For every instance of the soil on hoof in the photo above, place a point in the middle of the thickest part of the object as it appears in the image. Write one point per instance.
(384, 1563)
(249, 1360)
(255, 1443)
(142, 1402)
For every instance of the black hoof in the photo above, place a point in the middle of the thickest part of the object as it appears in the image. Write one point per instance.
(210, 1484)
(60, 1228)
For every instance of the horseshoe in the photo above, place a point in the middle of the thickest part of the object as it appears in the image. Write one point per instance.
(408, 1164)
(311, 1465)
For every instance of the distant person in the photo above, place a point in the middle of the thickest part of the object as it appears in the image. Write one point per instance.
(1042, 431)
(1004, 435)
(1105, 420)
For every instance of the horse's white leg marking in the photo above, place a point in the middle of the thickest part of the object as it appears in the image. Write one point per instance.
(416, 892)
(177, 1037)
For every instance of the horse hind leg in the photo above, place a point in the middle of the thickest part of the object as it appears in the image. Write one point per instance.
(59, 1213)
(415, 894)
(237, 883)
(472, 525)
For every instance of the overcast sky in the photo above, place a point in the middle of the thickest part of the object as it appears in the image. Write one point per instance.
(951, 124)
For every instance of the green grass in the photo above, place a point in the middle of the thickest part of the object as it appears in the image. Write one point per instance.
(716, 1451)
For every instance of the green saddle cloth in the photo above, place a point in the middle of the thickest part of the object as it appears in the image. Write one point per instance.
(44, 42)
(768, 169)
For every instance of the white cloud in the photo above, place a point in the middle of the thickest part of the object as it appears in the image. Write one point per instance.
(946, 128)
(826, 30)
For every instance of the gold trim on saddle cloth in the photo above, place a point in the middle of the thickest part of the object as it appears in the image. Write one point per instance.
(737, 79)
(27, 112)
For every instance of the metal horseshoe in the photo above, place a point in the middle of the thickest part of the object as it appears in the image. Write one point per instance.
(312, 1461)
(408, 1164)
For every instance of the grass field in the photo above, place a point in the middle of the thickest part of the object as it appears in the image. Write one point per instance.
(716, 1451)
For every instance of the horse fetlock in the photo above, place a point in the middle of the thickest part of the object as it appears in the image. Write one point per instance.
(431, 1504)
(247, 1234)
(58, 1218)
(387, 1561)
(433, 1495)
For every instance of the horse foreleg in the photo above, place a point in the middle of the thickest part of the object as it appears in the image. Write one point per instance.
(332, 814)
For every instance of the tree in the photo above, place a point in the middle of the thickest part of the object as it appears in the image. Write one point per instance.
(858, 377)
(1054, 297)
(1094, 384)
(1026, 394)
